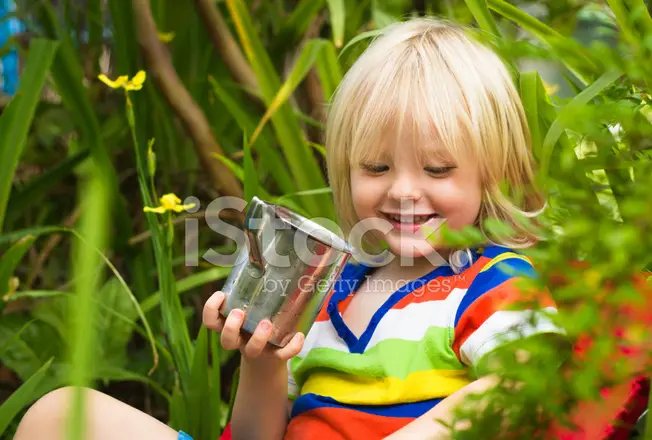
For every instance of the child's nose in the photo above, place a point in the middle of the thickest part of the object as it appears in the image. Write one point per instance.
(404, 188)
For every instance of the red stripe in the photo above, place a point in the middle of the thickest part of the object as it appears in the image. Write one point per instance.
(342, 424)
(501, 297)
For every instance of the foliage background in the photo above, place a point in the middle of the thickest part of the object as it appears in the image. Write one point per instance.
(96, 292)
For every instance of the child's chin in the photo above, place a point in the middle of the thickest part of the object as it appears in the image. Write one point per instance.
(413, 248)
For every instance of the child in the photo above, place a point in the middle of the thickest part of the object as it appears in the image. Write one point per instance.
(425, 129)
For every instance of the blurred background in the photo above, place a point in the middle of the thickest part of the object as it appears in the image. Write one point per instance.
(96, 291)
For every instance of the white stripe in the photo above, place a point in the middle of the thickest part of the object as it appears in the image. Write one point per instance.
(504, 326)
(413, 321)
(322, 335)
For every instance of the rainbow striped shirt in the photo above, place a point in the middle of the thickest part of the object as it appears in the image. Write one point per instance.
(421, 345)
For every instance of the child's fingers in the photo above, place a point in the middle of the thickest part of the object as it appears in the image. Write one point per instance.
(230, 337)
(292, 348)
(258, 340)
(211, 316)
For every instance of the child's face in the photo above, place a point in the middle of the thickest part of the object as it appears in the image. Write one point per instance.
(439, 190)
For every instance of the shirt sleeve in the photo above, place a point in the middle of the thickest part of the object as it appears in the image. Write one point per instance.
(500, 306)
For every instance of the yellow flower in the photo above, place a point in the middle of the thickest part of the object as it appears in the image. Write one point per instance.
(169, 202)
(123, 81)
(166, 37)
(550, 88)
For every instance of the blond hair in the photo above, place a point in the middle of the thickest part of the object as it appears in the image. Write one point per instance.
(440, 81)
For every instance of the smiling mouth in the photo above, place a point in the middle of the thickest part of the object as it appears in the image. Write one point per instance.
(409, 219)
(410, 223)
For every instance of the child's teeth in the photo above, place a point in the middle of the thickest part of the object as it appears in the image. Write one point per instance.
(410, 219)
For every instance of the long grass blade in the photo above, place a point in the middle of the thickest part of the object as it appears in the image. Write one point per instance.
(482, 15)
(300, 157)
(328, 70)
(215, 386)
(199, 389)
(529, 85)
(94, 226)
(22, 397)
(358, 38)
(186, 284)
(271, 159)
(251, 187)
(304, 63)
(17, 116)
(338, 20)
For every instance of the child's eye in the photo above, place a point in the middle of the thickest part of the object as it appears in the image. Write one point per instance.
(374, 168)
(438, 171)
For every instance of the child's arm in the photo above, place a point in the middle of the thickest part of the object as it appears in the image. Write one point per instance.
(490, 316)
(260, 408)
(429, 427)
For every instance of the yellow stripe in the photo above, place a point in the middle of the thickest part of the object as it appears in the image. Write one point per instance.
(422, 385)
(503, 257)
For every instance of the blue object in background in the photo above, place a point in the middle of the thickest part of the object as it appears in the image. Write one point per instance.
(9, 64)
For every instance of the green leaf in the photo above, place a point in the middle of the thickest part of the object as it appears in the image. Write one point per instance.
(87, 280)
(198, 399)
(22, 397)
(67, 73)
(17, 116)
(37, 188)
(529, 86)
(571, 53)
(108, 372)
(482, 15)
(114, 331)
(215, 385)
(5, 345)
(360, 37)
(54, 229)
(27, 344)
(338, 20)
(559, 125)
(239, 172)
(328, 70)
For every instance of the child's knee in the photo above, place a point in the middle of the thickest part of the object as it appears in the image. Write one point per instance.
(47, 413)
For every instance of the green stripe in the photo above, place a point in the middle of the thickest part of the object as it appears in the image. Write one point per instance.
(388, 358)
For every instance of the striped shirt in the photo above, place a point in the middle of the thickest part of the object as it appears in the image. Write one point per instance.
(423, 344)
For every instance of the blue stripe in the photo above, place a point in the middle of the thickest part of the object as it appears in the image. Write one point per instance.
(308, 402)
(493, 277)
(349, 281)
(395, 298)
